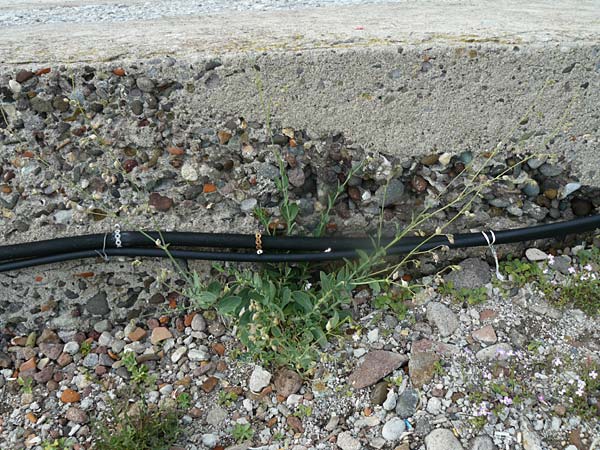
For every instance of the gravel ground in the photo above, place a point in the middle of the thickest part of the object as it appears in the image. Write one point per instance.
(507, 373)
(24, 13)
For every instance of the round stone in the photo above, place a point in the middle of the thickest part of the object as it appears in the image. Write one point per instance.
(188, 172)
(393, 429)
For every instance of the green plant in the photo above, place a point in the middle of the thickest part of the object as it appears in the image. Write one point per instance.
(58, 444)
(394, 302)
(242, 432)
(140, 428)
(26, 384)
(473, 296)
(580, 288)
(227, 398)
(520, 272)
(303, 410)
(184, 400)
(534, 345)
(139, 373)
(85, 348)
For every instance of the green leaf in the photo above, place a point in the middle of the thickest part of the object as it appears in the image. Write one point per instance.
(326, 284)
(302, 299)
(205, 299)
(229, 305)
(375, 287)
(286, 297)
(214, 287)
(319, 336)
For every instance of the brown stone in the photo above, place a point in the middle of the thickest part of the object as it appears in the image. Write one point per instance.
(487, 314)
(76, 415)
(209, 384)
(224, 137)
(24, 75)
(487, 335)
(137, 334)
(160, 202)
(427, 345)
(218, 348)
(160, 334)
(287, 382)
(295, 424)
(421, 367)
(64, 359)
(48, 336)
(376, 365)
(28, 366)
(52, 351)
(70, 396)
(187, 319)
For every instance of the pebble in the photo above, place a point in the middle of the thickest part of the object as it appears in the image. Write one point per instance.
(390, 401)
(379, 393)
(486, 335)
(198, 323)
(98, 304)
(188, 172)
(198, 355)
(287, 382)
(534, 254)
(76, 415)
(393, 429)
(216, 416)
(434, 406)
(346, 441)
(421, 367)
(406, 405)
(393, 195)
(259, 379)
(145, 84)
(443, 318)
(177, 354)
(500, 352)
(209, 440)
(248, 205)
(482, 442)
(160, 334)
(442, 439)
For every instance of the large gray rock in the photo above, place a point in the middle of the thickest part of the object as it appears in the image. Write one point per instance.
(473, 273)
(442, 317)
(442, 439)
(393, 429)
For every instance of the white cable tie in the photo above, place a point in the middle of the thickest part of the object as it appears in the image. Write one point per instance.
(117, 235)
(493, 251)
(102, 253)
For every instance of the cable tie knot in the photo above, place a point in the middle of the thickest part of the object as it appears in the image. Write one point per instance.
(491, 243)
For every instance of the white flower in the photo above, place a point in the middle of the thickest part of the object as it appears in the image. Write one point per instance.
(588, 267)
(593, 375)
(572, 270)
(550, 259)
(557, 362)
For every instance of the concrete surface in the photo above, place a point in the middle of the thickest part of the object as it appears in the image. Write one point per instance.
(402, 79)
(465, 72)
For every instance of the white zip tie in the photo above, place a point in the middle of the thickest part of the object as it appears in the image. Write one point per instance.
(102, 253)
(493, 251)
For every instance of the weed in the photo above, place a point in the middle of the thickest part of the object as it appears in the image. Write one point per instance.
(520, 272)
(139, 373)
(26, 384)
(227, 398)
(184, 400)
(58, 444)
(242, 432)
(140, 428)
(85, 348)
(303, 411)
(473, 296)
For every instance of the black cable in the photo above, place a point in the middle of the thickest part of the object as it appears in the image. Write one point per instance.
(136, 239)
(404, 246)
